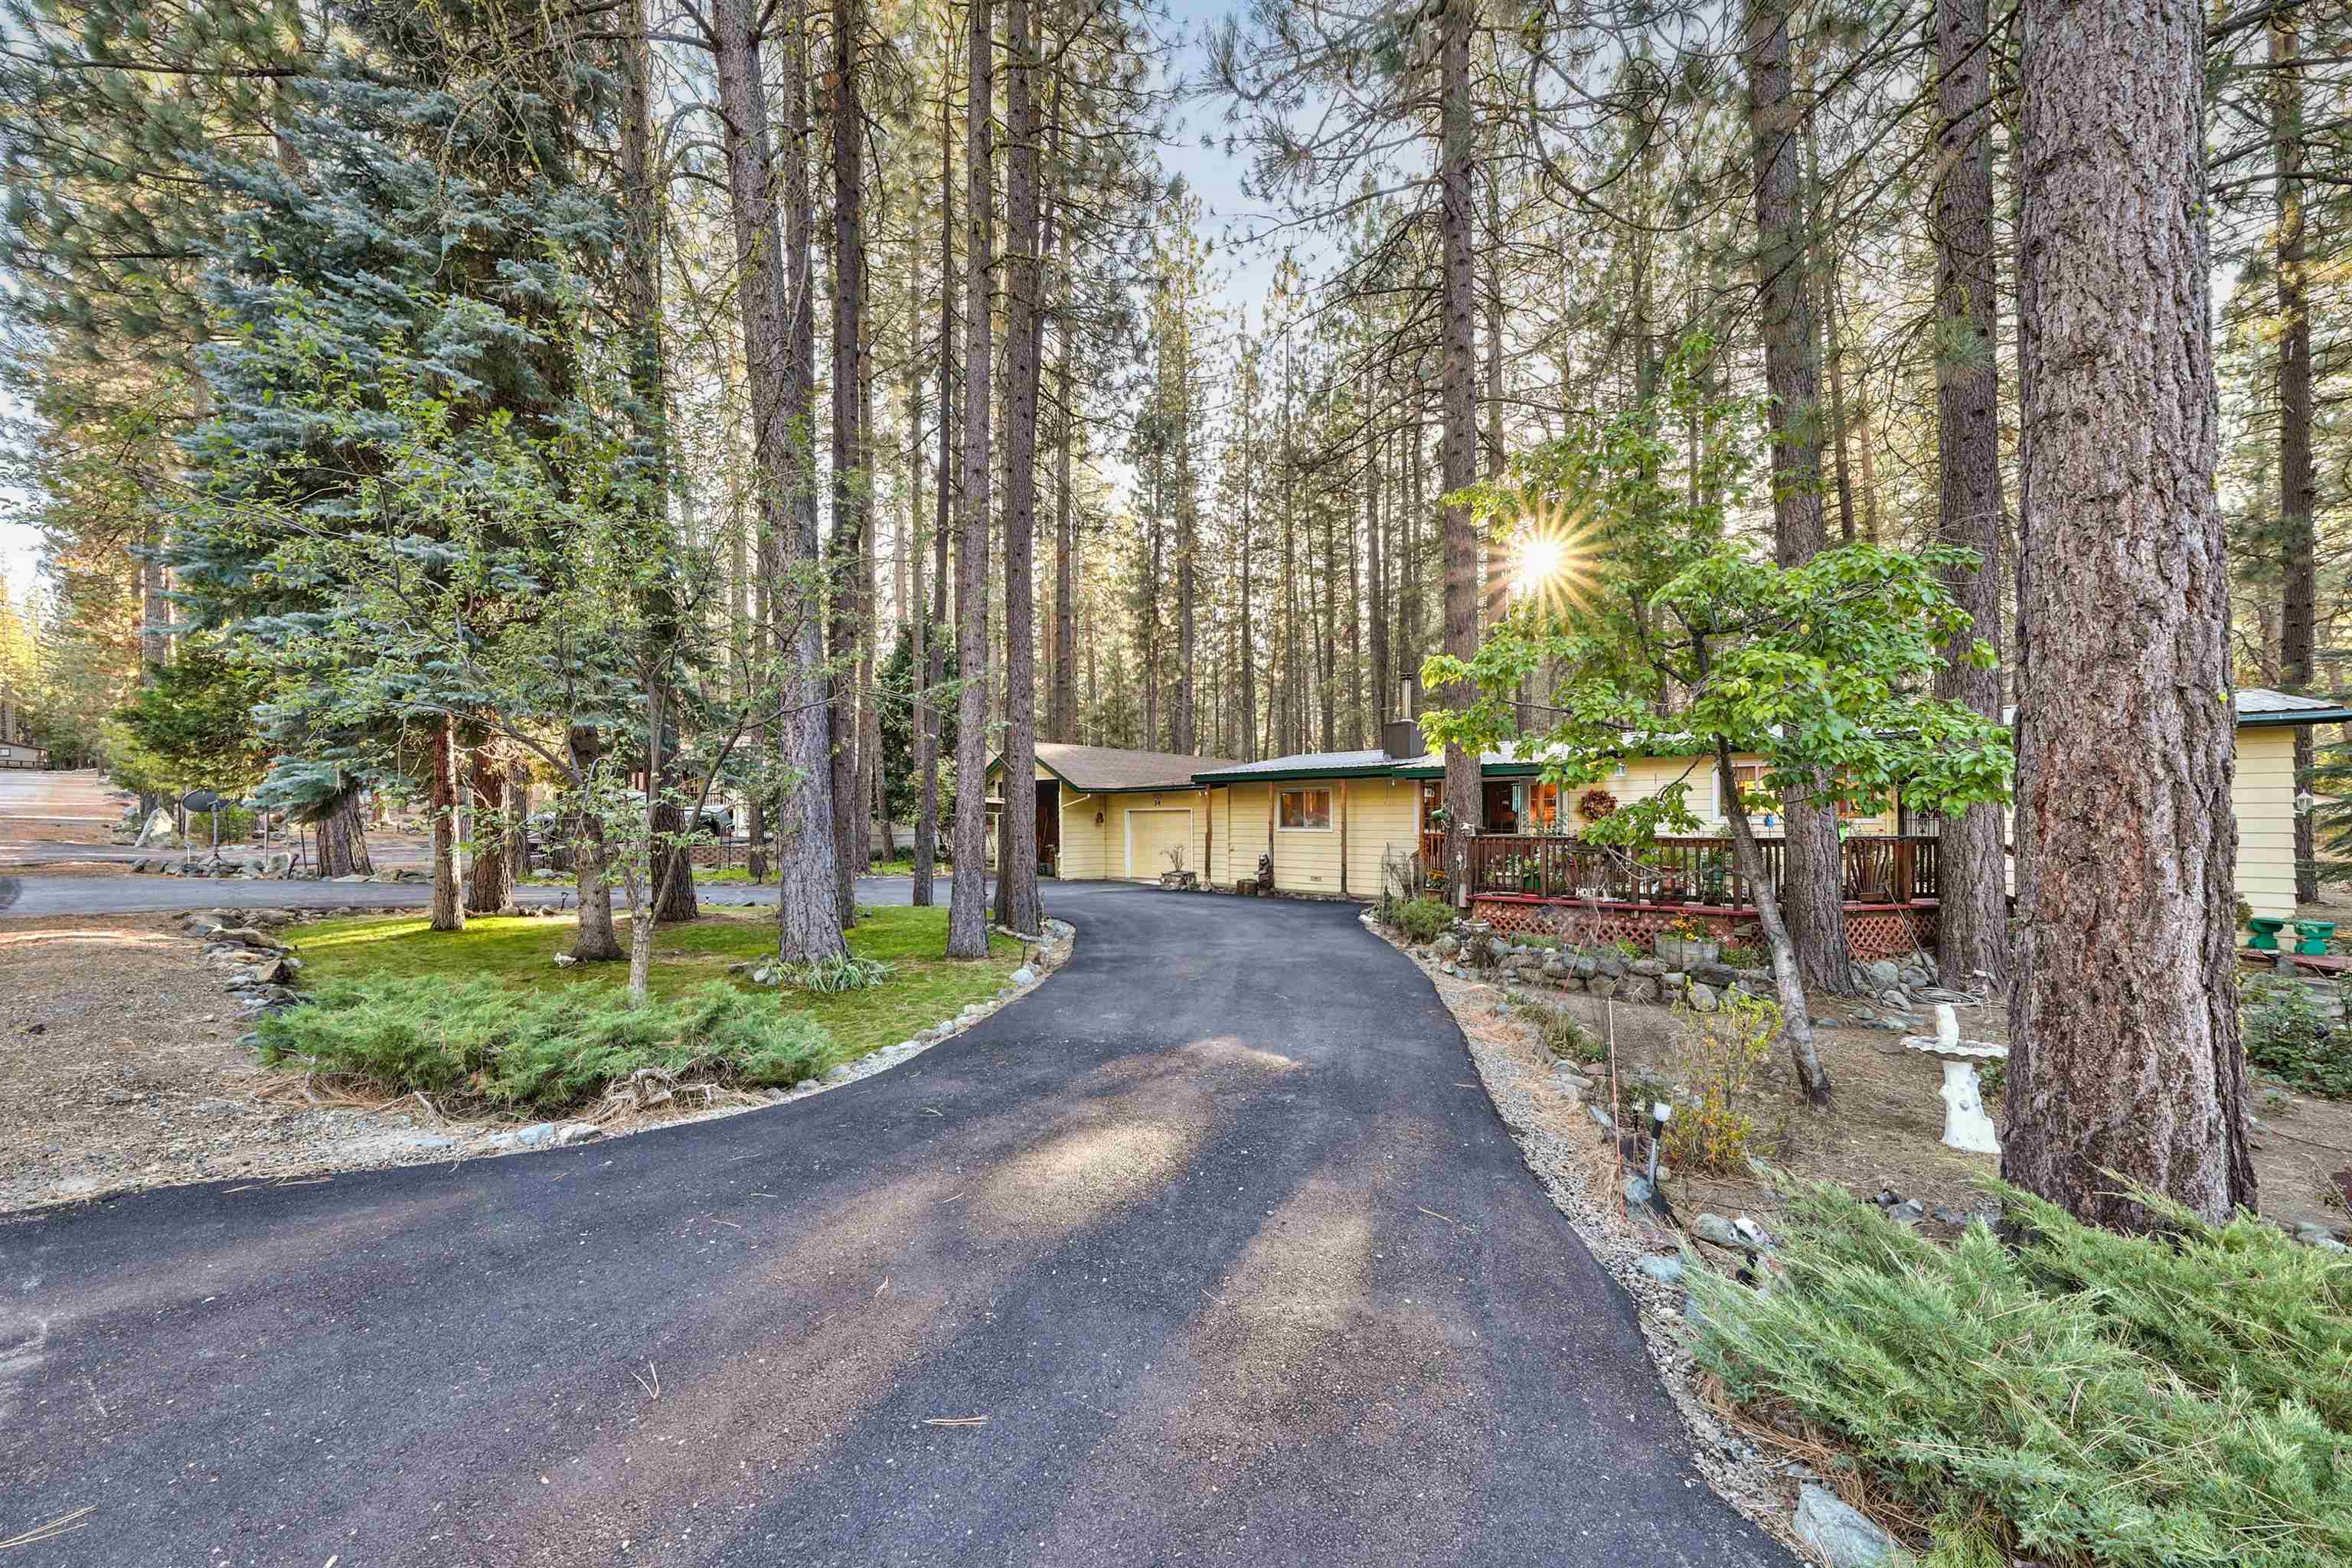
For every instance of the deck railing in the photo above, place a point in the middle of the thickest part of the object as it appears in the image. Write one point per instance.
(1879, 868)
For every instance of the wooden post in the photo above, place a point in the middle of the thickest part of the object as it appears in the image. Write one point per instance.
(1343, 838)
(1273, 792)
(1208, 837)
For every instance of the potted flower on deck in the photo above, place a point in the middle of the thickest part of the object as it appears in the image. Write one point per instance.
(1684, 943)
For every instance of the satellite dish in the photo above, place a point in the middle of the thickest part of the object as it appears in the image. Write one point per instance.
(201, 800)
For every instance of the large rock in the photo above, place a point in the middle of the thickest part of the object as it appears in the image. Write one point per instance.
(1611, 965)
(1446, 945)
(1703, 999)
(1601, 985)
(249, 936)
(1665, 1271)
(1641, 988)
(1843, 1536)
(157, 829)
(1647, 968)
(1883, 975)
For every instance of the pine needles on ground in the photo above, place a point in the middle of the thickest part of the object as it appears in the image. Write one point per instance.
(2108, 1399)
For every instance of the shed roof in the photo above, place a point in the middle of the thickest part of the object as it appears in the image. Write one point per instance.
(2261, 705)
(1303, 764)
(2256, 706)
(1111, 768)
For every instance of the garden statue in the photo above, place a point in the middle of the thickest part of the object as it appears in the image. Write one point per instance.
(1966, 1126)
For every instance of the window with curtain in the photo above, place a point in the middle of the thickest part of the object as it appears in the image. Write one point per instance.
(1303, 809)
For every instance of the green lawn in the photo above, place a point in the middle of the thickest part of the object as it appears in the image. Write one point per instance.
(926, 990)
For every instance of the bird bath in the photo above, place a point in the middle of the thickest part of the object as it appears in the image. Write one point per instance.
(1966, 1126)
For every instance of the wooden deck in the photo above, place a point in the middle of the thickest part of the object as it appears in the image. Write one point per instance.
(1881, 871)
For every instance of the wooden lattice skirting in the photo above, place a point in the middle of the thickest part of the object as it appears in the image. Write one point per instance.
(1872, 930)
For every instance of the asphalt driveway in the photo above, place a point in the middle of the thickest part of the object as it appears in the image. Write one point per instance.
(1209, 1251)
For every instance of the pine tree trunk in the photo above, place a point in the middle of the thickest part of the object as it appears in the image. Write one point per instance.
(968, 898)
(488, 884)
(342, 843)
(1065, 542)
(2298, 480)
(595, 942)
(1814, 901)
(641, 270)
(1972, 935)
(1016, 869)
(2125, 1062)
(929, 729)
(774, 323)
(845, 547)
(1248, 628)
(519, 809)
(448, 896)
(1459, 373)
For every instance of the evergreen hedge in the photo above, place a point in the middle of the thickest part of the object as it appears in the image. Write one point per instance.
(2173, 1400)
(479, 1041)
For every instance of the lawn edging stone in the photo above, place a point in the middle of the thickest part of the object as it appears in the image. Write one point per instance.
(1048, 952)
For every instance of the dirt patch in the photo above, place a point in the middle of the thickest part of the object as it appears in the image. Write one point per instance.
(1885, 1127)
(120, 1068)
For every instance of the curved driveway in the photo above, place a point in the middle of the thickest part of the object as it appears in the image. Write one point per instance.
(1209, 1251)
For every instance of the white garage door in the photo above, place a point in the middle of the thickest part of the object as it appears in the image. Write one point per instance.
(1150, 834)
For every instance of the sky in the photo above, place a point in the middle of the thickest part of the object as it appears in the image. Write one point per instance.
(1243, 270)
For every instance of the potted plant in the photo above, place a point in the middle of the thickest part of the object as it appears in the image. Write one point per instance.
(1684, 943)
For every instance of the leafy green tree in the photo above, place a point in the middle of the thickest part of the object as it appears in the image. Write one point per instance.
(1683, 640)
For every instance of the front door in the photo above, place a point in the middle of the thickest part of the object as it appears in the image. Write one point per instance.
(1049, 826)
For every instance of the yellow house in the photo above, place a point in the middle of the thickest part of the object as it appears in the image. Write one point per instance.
(1322, 822)
(1107, 815)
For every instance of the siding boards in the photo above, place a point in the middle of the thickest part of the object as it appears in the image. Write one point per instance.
(2261, 795)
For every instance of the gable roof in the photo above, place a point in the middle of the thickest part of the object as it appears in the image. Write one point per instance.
(1110, 768)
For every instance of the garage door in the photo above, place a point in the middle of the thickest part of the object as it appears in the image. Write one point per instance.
(1150, 835)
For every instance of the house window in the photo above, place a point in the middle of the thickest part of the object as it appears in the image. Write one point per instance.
(1304, 810)
(1750, 777)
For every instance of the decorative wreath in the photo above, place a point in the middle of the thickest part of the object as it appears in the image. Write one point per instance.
(1596, 804)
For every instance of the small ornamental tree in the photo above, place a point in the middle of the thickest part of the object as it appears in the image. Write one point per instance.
(1680, 640)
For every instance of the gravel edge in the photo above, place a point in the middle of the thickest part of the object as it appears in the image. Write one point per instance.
(1732, 1467)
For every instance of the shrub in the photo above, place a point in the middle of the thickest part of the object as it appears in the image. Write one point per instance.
(1740, 955)
(1423, 919)
(831, 976)
(2086, 1396)
(1563, 1034)
(506, 1046)
(2285, 1033)
(1721, 1052)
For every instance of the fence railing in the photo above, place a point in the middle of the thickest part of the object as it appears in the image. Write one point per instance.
(1879, 868)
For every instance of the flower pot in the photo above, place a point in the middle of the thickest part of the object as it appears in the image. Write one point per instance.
(1686, 952)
